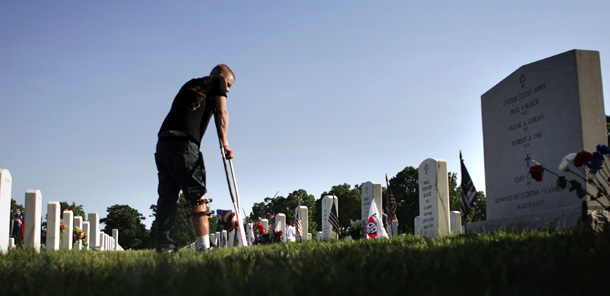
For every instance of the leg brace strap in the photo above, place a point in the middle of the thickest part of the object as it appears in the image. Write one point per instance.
(199, 214)
(198, 208)
(200, 201)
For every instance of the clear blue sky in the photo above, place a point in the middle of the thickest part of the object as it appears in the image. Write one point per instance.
(327, 92)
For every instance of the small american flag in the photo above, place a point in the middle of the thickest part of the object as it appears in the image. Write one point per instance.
(333, 219)
(469, 193)
(299, 223)
(392, 206)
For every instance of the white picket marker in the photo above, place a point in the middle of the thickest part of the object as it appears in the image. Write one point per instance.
(33, 212)
(68, 217)
(5, 209)
(53, 225)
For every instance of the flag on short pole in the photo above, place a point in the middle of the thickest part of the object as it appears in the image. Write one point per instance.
(227, 219)
(299, 223)
(374, 225)
(469, 193)
(274, 223)
(392, 206)
(333, 219)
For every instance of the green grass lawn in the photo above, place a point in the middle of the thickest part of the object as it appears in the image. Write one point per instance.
(532, 263)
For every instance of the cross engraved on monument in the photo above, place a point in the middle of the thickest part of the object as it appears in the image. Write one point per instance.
(522, 80)
(541, 112)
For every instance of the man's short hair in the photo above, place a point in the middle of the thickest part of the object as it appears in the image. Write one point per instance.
(222, 69)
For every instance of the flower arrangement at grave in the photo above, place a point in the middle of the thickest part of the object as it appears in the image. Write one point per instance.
(79, 235)
(355, 230)
(61, 223)
(262, 237)
(590, 168)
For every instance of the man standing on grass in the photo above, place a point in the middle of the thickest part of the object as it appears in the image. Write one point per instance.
(179, 160)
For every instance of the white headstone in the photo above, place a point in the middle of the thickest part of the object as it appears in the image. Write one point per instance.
(94, 231)
(304, 211)
(231, 239)
(542, 111)
(101, 239)
(213, 239)
(68, 218)
(280, 220)
(53, 225)
(11, 243)
(327, 230)
(371, 191)
(265, 223)
(218, 239)
(223, 239)
(434, 197)
(86, 228)
(417, 225)
(115, 238)
(456, 221)
(78, 222)
(238, 241)
(309, 236)
(31, 221)
(6, 181)
(320, 236)
(250, 233)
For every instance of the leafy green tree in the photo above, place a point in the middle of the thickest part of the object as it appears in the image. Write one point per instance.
(132, 232)
(405, 187)
(14, 206)
(455, 192)
(260, 210)
(350, 204)
(478, 211)
(77, 210)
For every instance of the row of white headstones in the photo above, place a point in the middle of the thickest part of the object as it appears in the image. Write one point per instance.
(56, 239)
(226, 239)
(371, 192)
(435, 218)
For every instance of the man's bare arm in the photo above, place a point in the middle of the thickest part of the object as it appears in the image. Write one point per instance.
(221, 118)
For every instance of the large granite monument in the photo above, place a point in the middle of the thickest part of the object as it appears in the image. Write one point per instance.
(542, 111)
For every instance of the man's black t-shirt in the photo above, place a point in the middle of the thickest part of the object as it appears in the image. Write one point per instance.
(194, 105)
